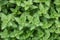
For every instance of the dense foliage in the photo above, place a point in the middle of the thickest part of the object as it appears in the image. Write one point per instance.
(29, 19)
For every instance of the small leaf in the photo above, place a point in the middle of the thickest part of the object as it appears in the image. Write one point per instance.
(4, 34)
(18, 2)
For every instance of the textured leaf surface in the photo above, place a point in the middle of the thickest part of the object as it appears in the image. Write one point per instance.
(29, 19)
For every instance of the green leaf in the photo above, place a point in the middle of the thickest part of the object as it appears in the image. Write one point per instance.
(16, 34)
(18, 2)
(57, 2)
(57, 23)
(5, 19)
(26, 5)
(47, 24)
(36, 20)
(12, 1)
(4, 34)
(47, 35)
(57, 30)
